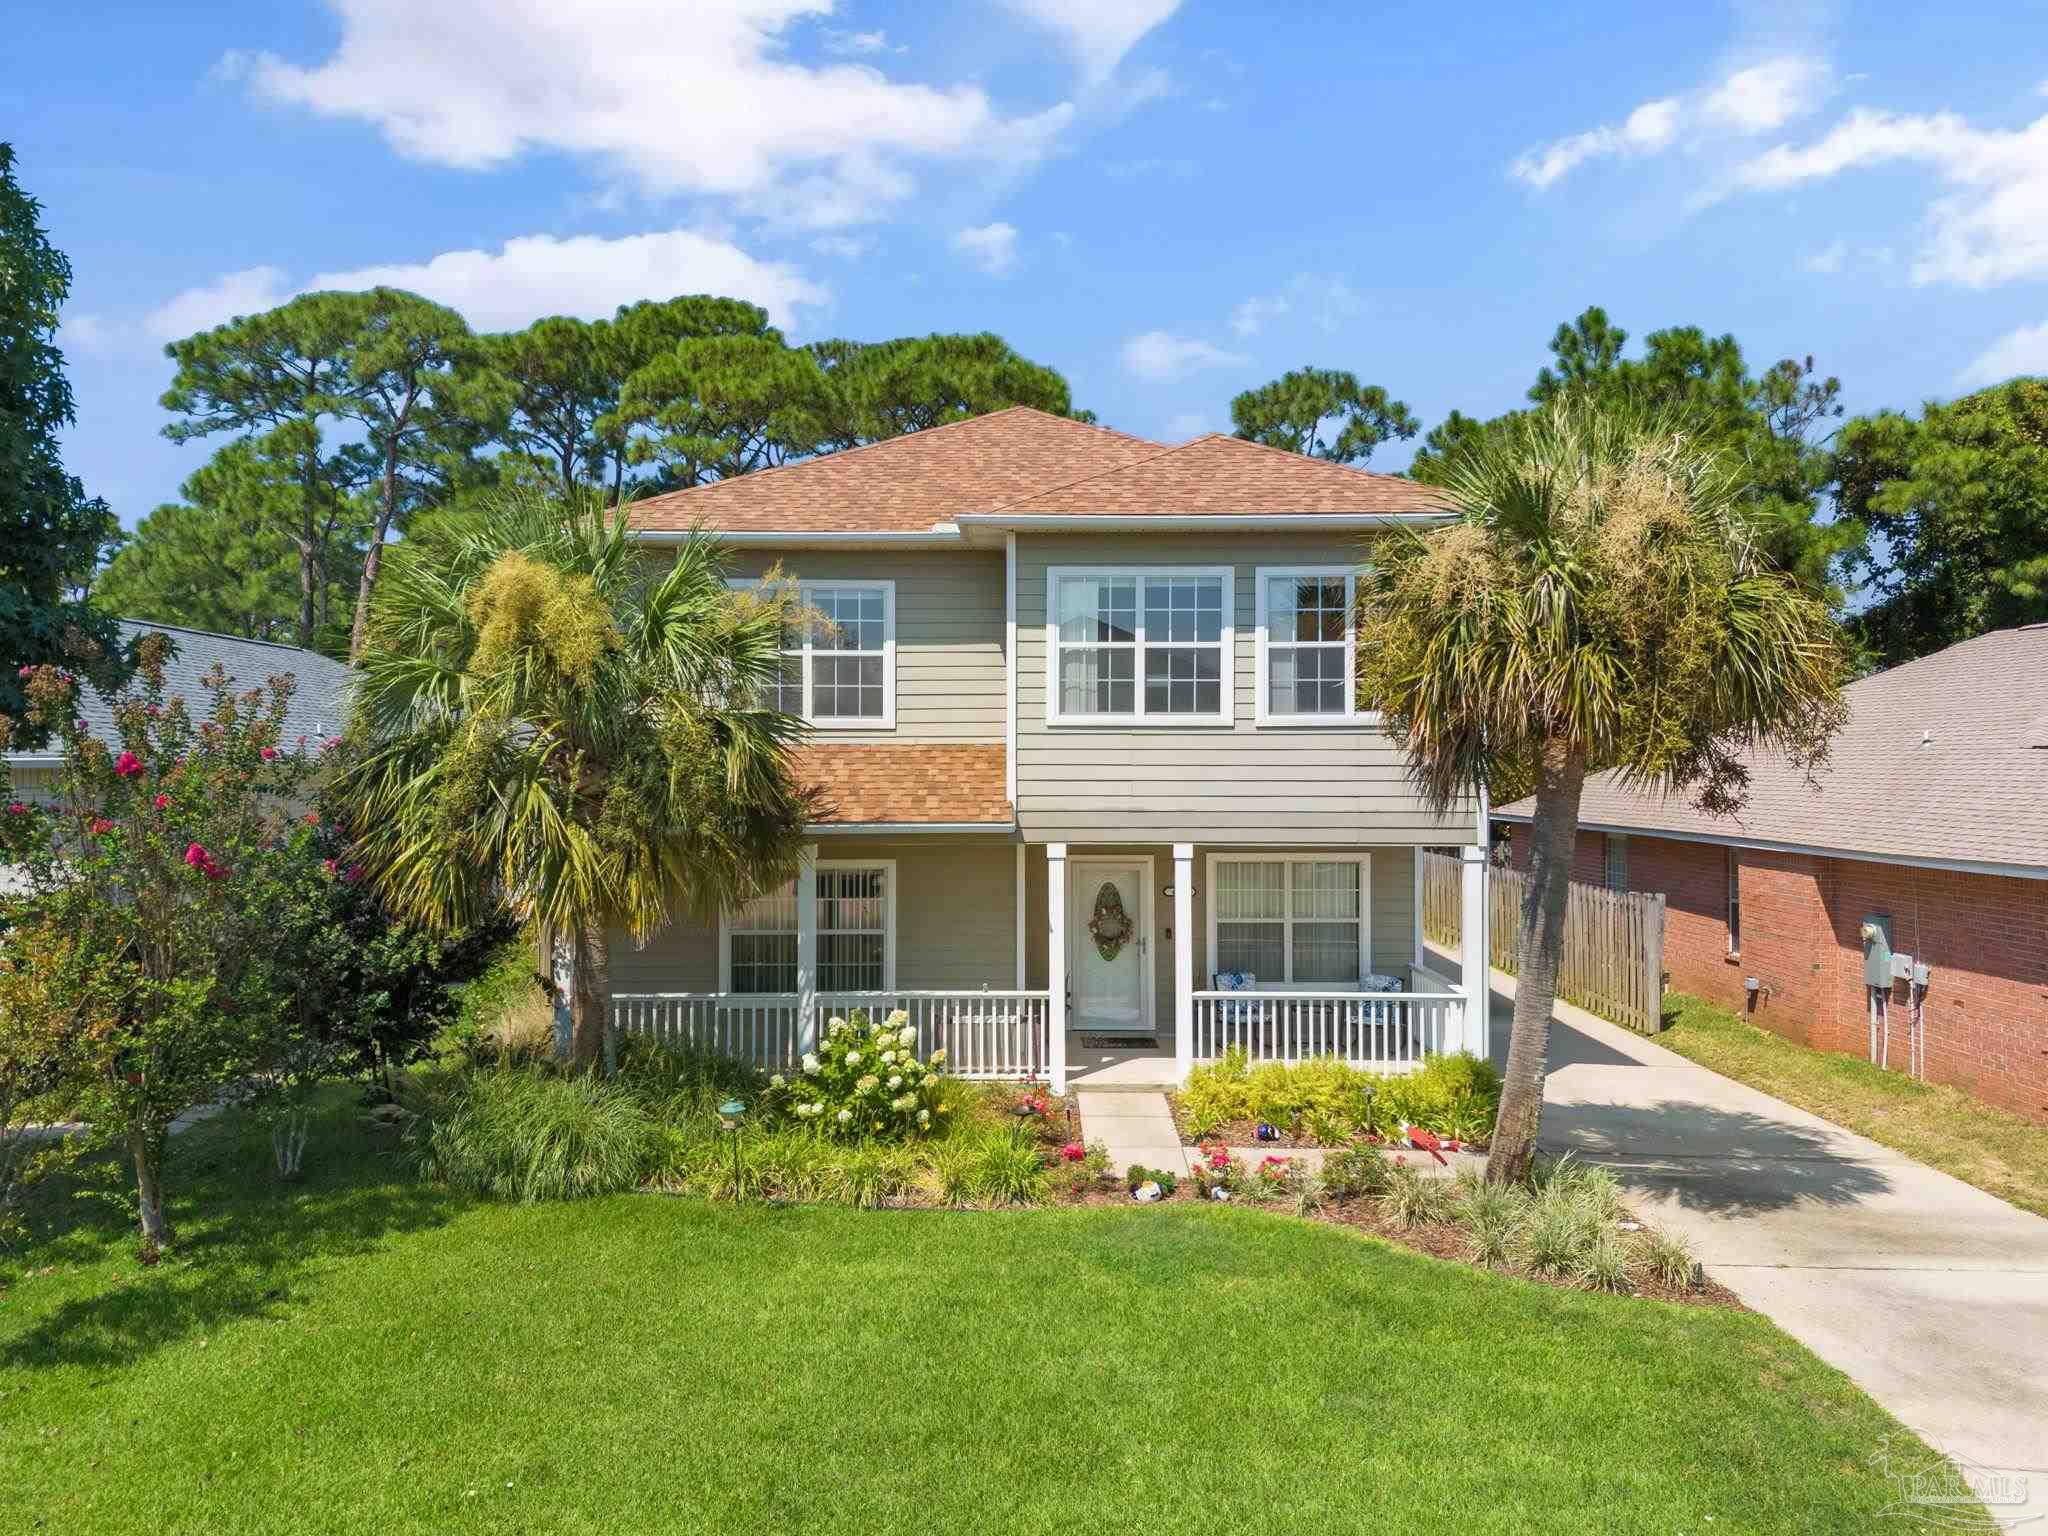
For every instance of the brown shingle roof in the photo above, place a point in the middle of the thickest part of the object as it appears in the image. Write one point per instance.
(1941, 759)
(905, 783)
(906, 484)
(1219, 476)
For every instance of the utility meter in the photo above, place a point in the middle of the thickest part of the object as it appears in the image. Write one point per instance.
(1877, 955)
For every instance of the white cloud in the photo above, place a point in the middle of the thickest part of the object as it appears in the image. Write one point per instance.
(1746, 102)
(1644, 131)
(1991, 226)
(845, 247)
(246, 292)
(991, 247)
(529, 277)
(704, 102)
(1163, 355)
(1765, 96)
(1828, 259)
(1327, 300)
(86, 334)
(1098, 32)
(2024, 351)
(1250, 317)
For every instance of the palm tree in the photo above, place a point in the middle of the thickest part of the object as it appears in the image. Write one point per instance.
(1599, 603)
(546, 714)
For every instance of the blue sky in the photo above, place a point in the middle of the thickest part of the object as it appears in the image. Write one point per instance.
(1168, 202)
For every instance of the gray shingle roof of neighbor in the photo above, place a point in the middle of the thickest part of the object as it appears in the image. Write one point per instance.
(319, 706)
(1944, 759)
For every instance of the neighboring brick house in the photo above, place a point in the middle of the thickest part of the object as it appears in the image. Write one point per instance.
(1931, 817)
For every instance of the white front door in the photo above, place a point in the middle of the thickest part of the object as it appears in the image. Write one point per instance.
(1109, 993)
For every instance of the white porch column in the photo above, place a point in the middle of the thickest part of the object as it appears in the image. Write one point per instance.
(1022, 949)
(1056, 963)
(807, 950)
(1472, 933)
(1183, 959)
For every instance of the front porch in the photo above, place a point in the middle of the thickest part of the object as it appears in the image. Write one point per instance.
(1098, 966)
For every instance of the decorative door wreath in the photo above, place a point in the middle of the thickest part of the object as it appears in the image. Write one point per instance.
(1110, 926)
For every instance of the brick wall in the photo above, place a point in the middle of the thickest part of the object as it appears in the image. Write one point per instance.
(1986, 937)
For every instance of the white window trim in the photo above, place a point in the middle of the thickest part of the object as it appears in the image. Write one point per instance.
(1731, 911)
(1227, 691)
(1364, 863)
(888, 868)
(1352, 715)
(886, 721)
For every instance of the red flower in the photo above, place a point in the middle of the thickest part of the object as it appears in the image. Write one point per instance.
(195, 855)
(16, 808)
(269, 753)
(101, 826)
(330, 866)
(355, 873)
(127, 765)
(312, 818)
(163, 802)
(1073, 1152)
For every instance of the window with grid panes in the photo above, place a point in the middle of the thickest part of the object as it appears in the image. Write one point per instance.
(1293, 921)
(1140, 645)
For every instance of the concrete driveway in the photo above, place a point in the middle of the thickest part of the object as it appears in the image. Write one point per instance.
(1931, 1295)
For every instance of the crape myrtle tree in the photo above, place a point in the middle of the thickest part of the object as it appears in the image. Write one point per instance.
(544, 716)
(1601, 600)
(156, 880)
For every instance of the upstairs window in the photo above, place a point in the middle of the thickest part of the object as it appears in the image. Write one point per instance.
(1139, 646)
(1307, 647)
(839, 667)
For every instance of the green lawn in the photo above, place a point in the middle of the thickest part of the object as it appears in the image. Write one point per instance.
(1938, 1125)
(366, 1354)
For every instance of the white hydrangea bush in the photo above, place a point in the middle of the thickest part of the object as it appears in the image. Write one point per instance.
(865, 1080)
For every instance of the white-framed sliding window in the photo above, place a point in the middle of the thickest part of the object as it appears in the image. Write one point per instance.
(856, 907)
(1308, 646)
(1138, 646)
(1291, 920)
(839, 672)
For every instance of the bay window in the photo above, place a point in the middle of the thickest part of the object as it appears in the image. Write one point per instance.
(1129, 646)
(1290, 920)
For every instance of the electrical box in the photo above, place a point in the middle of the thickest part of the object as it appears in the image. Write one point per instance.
(1877, 953)
(1902, 967)
(1921, 976)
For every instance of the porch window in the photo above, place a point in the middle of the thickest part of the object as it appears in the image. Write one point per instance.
(760, 943)
(1290, 920)
(853, 928)
(855, 917)
(1306, 646)
(1140, 646)
(839, 672)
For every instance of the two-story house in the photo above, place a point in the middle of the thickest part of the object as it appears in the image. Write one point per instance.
(1101, 799)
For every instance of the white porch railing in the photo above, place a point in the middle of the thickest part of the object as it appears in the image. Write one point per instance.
(1386, 1031)
(984, 1034)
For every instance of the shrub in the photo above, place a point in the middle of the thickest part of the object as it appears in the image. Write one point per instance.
(1608, 1262)
(530, 1135)
(1415, 1199)
(1088, 1174)
(685, 1083)
(1565, 1219)
(865, 1080)
(1333, 1102)
(868, 1174)
(1007, 1169)
(1668, 1258)
(1353, 1173)
(1492, 1216)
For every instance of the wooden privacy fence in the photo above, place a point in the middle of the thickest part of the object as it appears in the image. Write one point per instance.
(1613, 940)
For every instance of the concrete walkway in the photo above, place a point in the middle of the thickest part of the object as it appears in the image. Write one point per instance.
(1928, 1293)
(1136, 1127)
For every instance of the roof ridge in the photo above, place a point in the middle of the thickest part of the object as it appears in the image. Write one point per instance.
(668, 498)
(216, 634)
(1304, 458)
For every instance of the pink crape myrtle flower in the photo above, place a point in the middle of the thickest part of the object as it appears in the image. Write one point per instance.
(269, 753)
(127, 765)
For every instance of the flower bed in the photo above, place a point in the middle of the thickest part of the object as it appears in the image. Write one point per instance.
(1326, 1103)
